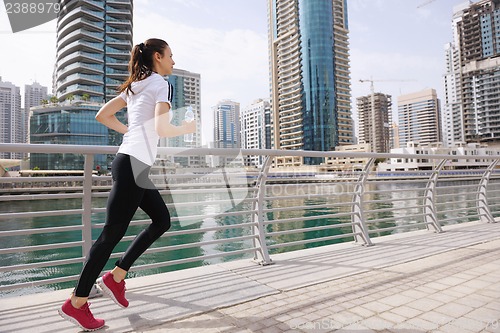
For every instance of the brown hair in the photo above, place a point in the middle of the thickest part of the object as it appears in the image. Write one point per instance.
(140, 65)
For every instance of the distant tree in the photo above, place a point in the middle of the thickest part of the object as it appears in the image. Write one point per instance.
(54, 99)
(86, 97)
(44, 102)
(70, 98)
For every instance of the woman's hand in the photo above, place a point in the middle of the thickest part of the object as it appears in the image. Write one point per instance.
(189, 126)
(163, 126)
(107, 115)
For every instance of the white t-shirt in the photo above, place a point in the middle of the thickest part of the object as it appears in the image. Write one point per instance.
(141, 139)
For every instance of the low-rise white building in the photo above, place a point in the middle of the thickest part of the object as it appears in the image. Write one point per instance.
(457, 149)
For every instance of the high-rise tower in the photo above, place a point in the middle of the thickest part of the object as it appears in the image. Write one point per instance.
(94, 40)
(310, 85)
(227, 124)
(471, 112)
(34, 95)
(419, 118)
(375, 118)
(254, 130)
(11, 124)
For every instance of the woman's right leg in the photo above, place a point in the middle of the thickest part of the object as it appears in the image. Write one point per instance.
(124, 199)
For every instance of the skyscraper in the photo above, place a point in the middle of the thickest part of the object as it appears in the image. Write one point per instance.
(94, 40)
(310, 84)
(254, 130)
(419, 118)
(375, 118)
(471, 83)
(452, 113)
(227, 124)
(34, 94)
(11, 125)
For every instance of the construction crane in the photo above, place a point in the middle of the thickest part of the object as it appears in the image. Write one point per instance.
(372, 91)
(425, 3)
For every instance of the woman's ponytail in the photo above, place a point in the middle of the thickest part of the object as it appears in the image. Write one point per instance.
(140, 65)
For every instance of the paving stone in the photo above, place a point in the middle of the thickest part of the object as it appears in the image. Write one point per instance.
(396, 300)
(454, 309)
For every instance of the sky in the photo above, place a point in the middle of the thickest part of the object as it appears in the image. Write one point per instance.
(399, 44)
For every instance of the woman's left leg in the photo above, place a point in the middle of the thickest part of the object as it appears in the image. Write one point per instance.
(152, 204)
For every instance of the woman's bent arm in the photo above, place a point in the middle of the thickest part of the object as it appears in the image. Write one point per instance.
(107, 117)
(163, 126)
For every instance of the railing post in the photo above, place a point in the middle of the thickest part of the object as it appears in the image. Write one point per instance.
(358, 219)
(482, 200)
(430, 215)
(259, 229)
(87, 204)
(87, 214)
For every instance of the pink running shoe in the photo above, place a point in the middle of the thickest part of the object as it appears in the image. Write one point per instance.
(81, 317)
(113, 289)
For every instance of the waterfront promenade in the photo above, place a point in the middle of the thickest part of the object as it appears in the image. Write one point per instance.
(408, 282)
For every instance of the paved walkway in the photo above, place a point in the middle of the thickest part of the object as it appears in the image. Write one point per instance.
(412, 282)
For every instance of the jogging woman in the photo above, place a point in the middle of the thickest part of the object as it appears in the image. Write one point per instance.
(147, 96)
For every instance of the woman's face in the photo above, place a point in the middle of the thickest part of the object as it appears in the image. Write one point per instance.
(165, 63)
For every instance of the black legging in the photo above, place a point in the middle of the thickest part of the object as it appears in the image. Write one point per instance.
(124, 199)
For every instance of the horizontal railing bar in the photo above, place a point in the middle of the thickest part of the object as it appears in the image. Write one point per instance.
(204, 191)
(29, 197)
(280, 209)
(396, 190)
(211, 215)
(192, 259)
(42, 264)
(372, 231)
(191, 245)
(303, 230)
(189, 231)
(167, 192)
(459, 217)
(45, 213)
(307, 196)
(39, 283)
(314, 240)
(392, 200)
(396, 181)
(87, 149)
(441, 188)
(440, 196)
(189, 204)
(390, 209)
(454, 202)
(308, 218)
(40, 247)
(50, 179)
(9, 233)
(386, 219)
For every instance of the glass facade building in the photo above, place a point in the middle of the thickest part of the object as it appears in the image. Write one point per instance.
(310, 83)
(94, 40)
(227, 133)
(70, 125)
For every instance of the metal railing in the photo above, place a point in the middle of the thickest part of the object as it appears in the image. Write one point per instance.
(230, 211)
